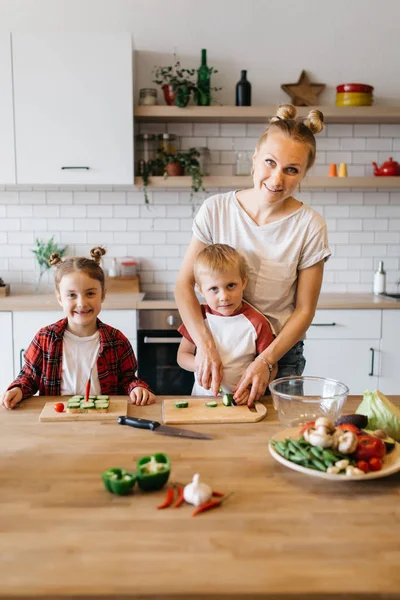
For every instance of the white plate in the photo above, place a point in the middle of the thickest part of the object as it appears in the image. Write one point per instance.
(391, 462)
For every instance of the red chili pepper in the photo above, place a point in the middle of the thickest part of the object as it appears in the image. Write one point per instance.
(218, 494)
(180, 497)
(87, 391)
(207, 506)
(168, 499)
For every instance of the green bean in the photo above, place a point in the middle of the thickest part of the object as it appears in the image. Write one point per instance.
(319, 464)
(298, 447)
(317, 452)
(328, 455)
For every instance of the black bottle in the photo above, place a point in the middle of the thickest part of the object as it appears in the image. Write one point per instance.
(243, 91)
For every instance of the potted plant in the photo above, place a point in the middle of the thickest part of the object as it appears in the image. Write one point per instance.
(176, 82)
(174, 165)
(43, 251)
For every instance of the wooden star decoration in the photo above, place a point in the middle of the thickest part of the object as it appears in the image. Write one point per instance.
(303, 93)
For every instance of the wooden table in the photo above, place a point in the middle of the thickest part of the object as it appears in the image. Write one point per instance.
(281, 535)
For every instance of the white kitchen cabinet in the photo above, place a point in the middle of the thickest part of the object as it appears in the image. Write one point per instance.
(389, 379)
(345, 345)
(7, 146)
(73, 99)
(6, 354)
(26, 324)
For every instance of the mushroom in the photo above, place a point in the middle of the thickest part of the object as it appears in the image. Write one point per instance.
(347, 442)
(339, 433)
(326, 423)
(317, 438)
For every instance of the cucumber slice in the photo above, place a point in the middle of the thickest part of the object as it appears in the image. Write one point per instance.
(183, 404)
(103, 398)
(101, 405)
(227, 399)
(212, 404)
(87, 405)
(73, 404)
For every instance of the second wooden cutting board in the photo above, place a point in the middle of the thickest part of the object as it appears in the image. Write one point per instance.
(197, 412)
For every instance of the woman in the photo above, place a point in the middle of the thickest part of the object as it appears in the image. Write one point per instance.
(285, 245)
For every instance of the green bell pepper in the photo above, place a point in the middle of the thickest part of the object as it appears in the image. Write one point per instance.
(118, 481)
(153, 471)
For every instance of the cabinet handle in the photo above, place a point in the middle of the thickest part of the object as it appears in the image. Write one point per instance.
(161, 340)
(371, 374)
(323, 324)
(21, 355)
(64, 168)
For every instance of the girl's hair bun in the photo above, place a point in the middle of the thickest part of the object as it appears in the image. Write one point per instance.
(285, 112)
(314, 121)
(97, 253)
(54, 259)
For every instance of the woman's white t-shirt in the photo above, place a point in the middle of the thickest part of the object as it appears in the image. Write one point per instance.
(79, 356)
(274, 252)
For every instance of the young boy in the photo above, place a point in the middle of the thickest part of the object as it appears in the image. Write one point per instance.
(240, 332)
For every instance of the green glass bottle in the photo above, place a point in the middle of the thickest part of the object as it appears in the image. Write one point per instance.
(203, 81)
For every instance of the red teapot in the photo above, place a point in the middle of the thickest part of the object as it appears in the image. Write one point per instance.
(390, 168)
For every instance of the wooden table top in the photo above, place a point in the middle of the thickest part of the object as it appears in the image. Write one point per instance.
(280, 535)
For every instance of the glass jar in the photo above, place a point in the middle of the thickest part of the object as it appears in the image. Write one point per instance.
(145, 151)
(167, 142)
(204, 160)
(243, 163)
(128, 267)
(148, 96)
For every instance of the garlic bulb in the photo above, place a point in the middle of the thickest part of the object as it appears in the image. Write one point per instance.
(197, 493)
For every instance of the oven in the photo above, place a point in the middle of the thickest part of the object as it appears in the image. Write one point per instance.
(157, 347)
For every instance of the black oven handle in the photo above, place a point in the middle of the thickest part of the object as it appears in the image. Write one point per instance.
(161, 340)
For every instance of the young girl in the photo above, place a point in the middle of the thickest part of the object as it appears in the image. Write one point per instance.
(62, 356)
(285, 245)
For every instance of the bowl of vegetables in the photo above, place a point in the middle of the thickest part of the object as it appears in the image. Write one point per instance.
(299, 400)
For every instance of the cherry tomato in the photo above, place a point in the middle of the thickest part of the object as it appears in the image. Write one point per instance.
(375, 464)
(349, 427)
(59, 407)
(363, 465)
(369, 447)
(306, 426)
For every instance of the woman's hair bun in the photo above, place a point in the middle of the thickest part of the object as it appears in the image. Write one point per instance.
(285, 111)
(314, 121)
(54, 259)
(97, 253)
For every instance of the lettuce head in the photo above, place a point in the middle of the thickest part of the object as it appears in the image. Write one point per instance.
(381, 413)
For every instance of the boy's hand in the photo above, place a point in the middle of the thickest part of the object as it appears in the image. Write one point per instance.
(11, 398)
(141, 396)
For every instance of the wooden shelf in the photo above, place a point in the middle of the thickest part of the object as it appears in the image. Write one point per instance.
(260, 114)
(309, 183)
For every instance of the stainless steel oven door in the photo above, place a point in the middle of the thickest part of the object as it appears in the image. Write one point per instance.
(157, 352)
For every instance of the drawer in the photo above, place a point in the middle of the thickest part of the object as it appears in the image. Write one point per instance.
(345, 324)
(124, 320)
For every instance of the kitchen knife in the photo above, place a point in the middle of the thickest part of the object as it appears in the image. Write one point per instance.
(162, 429)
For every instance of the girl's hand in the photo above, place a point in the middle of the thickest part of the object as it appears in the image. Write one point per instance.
(11, 398)
(244, 397)
(208, 368)
(141, 396)
(256, 378)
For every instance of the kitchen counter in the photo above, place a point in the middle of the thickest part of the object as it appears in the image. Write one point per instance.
(281, 535)
(24, 299)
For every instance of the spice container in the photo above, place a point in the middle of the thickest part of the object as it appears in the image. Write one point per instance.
(243, 163)
(128, 267)
(204, 160)
(148, 96)
(145, 151)
(167, 142)
(380, 279)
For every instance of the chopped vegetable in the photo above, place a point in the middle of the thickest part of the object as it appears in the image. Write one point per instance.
(369, 447)
(118, 481)
(227, 399)
(381, 413)
(153, 471)
(182, 404)
(211, 404)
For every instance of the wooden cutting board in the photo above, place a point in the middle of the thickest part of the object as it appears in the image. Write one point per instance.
(116, 408)
(197, 412)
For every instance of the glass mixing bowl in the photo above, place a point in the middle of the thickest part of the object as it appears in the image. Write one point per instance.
(298, 400)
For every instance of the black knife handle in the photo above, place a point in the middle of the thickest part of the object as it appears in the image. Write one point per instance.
(139, 423)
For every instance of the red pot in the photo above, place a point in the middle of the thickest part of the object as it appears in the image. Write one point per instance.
(169, 94)
(390, 168)
(174, 169)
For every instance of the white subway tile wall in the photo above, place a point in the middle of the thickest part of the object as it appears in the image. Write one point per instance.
(364, 227)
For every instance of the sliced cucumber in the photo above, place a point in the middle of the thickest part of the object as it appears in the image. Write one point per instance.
(103, 398)
(87, 405)
(183, 404)
(212, 404)
(101, 405)
(227, 399)
(73, 404)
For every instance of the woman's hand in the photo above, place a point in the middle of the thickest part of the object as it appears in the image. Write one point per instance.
(208, 368)
(256, 378)
(11, 398)
(141, 396)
